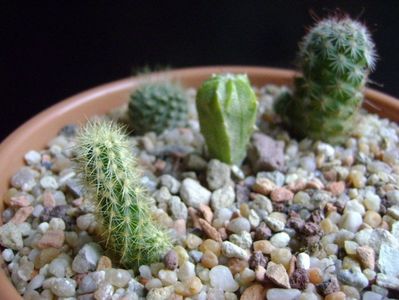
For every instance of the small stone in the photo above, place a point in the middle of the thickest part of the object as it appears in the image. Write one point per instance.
(210, 245)
(328, 286)
(231, 250)
(57, 224)
(104, 263)
(52, 238)
(336, 188)
(22, 214)
(32, 157)
(299, 279)
(49, 182)
(117, 277)
(262, 232)
(7, 255)
(206, 212)
(209, 259)
(182, 255)
(171, 183)
(186, 271)
(209, 230)
(46, 256)
(263, 246)
(217, 175)
(282, 195)
(223, 197)
(386, 263)
(353, 278)
(24, 179)
(84, 221)
(189, 287)
(372, 218)
(282, 294)
(104, 291)
(275, 224)
(280, 240)
(254, 292)
(351, 221)
(265, 153)
(303, 261)
(58, 267)
(48, 199)
(366, 256)
(257, 259)
(236, 265)
(336, 296)
(20, 201)
(282, 256)
(35, 283)
(277, 274)
(239, 225)
(87, 258)
(264, 186)
(243, 240)
(315, 276)
(372, 296)
(163, 293)
(62, 287)
(193, 194)
(221, 277)
(357, 179)
(193, 241)
(387, 281)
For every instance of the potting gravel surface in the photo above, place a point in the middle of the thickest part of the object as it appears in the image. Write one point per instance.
(298, 220)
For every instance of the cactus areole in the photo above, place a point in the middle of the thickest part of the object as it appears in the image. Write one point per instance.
(335, 58)
(227, 107)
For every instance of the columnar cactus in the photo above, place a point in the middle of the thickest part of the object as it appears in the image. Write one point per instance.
(110, 177)
(335, 58)
(158, 106)
(227, 107)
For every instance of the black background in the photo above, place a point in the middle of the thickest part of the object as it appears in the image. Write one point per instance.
(52, 50)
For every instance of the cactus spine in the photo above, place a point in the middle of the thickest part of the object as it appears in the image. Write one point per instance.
(111, 179)
(158, 106)
(335, 58)
(227, 107)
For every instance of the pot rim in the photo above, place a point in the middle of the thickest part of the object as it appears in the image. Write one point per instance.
(14, 146)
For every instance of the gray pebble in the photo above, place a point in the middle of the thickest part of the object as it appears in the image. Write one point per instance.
(217, 175)
(193, 193)
(223, 198)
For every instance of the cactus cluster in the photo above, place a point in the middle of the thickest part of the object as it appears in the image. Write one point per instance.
(335, 58)
(158, 106)
(227, 107)
(111, 179)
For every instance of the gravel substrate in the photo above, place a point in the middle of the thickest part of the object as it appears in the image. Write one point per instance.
(298, 220)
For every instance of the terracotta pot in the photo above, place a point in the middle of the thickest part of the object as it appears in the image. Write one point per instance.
(35, 133)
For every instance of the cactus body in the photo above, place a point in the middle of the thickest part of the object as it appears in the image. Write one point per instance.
(157, 106)
(227, 107)
(335, 58)
(111, 179)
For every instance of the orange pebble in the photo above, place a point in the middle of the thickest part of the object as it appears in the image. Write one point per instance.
(335, 296)
(315, 276)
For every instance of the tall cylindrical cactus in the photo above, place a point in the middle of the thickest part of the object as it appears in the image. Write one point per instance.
(335, 58)
(110, 176)
(227, 106)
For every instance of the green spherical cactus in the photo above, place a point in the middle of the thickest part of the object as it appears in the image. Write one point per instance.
(335, 58)
(158, 106)
(227, 108)
(111, 179)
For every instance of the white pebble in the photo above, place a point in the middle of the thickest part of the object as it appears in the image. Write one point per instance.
(231, 250)
(186, 271)
(239, 225)
(7, 255)
(280, 240)
(49, 182)
(282, 294)
(43, 227)
(351, 221)
(145, 272)
(303, 261)
(118, 277)
(167, 277)
(221, 277)
(371, 296)
(57, 224)
(32, 157)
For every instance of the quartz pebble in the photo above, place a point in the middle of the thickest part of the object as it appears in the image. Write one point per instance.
(231, 250)
(87, 258)
(217, 175)
(282, 294)
(254, 292)
(221, 277)
(62, 287)
(277, 274)
(239, 225)
(193, 194)
(117, 277)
